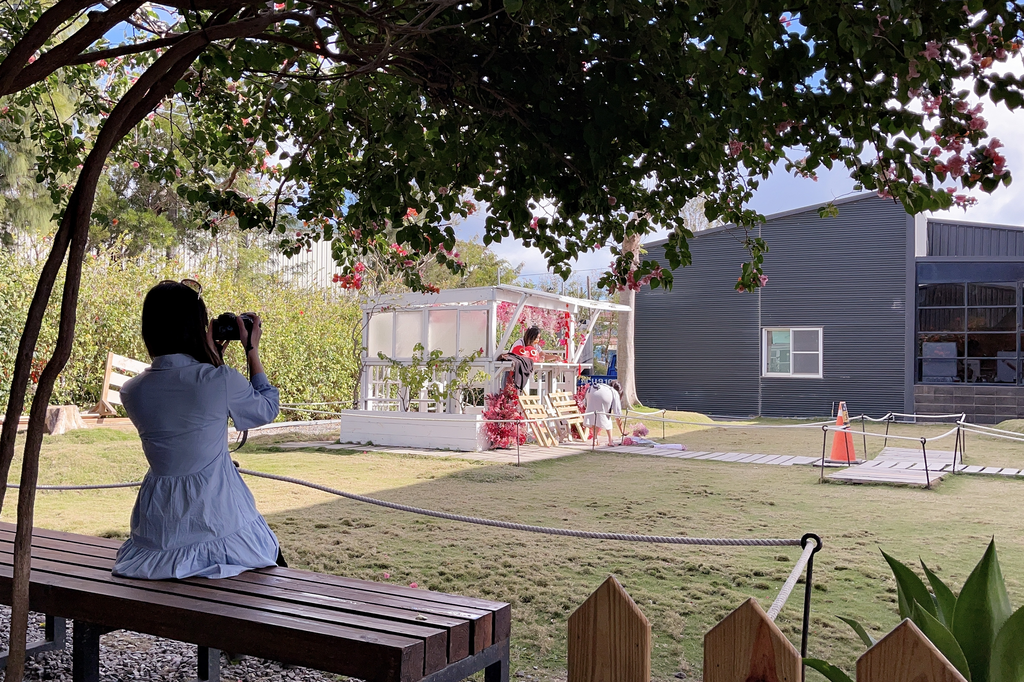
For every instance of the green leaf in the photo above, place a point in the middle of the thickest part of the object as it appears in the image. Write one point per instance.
(945, 600)
(868, 640)
(942, 638)
(513, 6)
(911, 588)
(831, 673)
(981, 609)
(1007, 653)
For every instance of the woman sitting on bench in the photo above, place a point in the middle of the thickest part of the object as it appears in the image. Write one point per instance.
(194, 515)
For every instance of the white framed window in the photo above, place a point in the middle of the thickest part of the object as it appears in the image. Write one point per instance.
(791, 352)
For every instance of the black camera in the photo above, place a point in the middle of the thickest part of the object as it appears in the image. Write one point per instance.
(225, 327)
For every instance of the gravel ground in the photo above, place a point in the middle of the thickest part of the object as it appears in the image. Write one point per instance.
(128, 656)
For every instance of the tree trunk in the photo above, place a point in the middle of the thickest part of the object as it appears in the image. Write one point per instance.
(626, 361)
(150, 89)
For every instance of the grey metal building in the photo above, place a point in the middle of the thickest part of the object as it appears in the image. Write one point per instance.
(874, 307)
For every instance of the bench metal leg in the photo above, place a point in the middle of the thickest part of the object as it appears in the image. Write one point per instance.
(498, 671)
(209, 664)
(493, 661)
(85, 652)
(56, 638)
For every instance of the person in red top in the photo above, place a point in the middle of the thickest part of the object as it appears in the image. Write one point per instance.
(522, 356)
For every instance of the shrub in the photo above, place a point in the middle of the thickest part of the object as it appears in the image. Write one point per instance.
(504, 405)
(307, 343)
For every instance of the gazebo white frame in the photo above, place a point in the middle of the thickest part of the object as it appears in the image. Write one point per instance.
(460, 321)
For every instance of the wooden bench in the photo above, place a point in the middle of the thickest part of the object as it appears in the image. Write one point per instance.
(373, 631)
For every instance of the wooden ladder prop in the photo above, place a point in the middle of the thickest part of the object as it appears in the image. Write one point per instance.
(564, 405)
(533, 409)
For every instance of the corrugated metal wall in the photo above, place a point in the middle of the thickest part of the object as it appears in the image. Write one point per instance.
(954, 239)
(847, 275)
(699, 346)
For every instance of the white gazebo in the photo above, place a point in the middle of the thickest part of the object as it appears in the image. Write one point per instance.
(456, 322)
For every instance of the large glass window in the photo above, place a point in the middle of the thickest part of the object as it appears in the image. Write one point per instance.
(968, 333)
(791, 352)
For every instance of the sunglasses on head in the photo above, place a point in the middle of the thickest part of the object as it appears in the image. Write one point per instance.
(190, 283)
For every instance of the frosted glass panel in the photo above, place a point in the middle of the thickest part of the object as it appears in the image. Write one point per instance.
(381, 327)
(472, 332)
(441, 331)
(408, 332)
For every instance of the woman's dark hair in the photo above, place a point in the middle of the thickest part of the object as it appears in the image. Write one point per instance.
(174, 320)
(618, 389)
(531, 335)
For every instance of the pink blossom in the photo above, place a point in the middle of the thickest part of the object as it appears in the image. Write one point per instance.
(533, 224)
(764, 280)
(386, 575)
(408, 263)
(931, 50)
(962, 106)
(977, 123)
(135, 164)
(102, 63)
(735, 147)
(912, 69)
(955, 165)
(359, 267)
(612, 201)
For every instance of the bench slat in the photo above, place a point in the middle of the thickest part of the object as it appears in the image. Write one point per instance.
(502, 611)
(371, 656)
(435, 639)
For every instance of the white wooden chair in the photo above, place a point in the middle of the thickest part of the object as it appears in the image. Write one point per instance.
(114, 375)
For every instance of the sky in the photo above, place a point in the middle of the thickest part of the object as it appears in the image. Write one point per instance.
(783, 192)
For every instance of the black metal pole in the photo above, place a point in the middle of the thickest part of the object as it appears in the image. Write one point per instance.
(888, 420)
(863, 431)
(807, 590)
(956, 446)
(927, 476)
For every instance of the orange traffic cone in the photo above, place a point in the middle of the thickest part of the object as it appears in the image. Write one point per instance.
(842, 442)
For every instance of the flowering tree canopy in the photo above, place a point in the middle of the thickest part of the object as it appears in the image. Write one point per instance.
(600, 119)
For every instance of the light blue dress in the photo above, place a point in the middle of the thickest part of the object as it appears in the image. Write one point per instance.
(194, 515)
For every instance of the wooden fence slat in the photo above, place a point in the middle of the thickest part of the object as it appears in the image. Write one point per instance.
(609, 638)
(746, 646)
(905, 655)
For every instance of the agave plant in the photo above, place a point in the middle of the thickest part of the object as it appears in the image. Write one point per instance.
(977, 630)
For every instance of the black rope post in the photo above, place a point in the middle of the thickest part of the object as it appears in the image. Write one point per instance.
(807, 589)
(664, 415)
(888, 420)
(824, 440)
(956, 445)
(864, 433)
(927, 476)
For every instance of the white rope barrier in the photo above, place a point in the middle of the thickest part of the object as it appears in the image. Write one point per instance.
(508, 525)
(916, 439)
(791, 581)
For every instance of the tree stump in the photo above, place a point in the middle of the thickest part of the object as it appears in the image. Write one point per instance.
(63, 418)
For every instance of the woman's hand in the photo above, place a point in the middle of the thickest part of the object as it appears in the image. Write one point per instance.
(250, 340)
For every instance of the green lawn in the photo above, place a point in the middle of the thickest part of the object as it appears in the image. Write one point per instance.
(682, 590)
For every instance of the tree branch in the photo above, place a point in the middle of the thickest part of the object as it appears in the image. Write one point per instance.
(56, 57)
